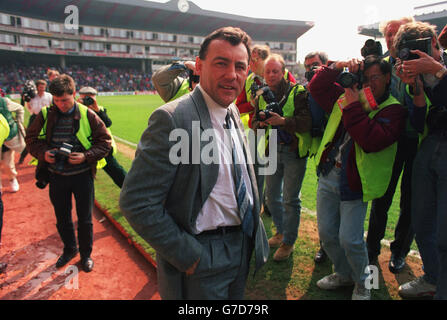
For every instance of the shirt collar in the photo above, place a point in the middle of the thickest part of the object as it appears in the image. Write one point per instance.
(216, 111)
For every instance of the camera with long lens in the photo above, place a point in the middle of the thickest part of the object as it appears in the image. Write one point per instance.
(371, 47)
(423, 45)
(88, 101)
(29, 90)
(310, 74)
(61, 156)
(348, 79)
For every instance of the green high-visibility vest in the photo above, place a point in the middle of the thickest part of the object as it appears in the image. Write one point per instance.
(84, 133)
(304, 139)
(428, 106)
(184, 89)
(4, 129)
(375, 168)
(13, 129)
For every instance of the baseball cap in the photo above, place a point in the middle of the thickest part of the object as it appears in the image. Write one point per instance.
(88, 90)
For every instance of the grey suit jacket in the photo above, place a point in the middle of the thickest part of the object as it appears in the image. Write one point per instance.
(161, 200)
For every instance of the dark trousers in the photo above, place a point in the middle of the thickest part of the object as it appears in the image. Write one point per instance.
(403, 234)
(61, 190)
(429, 215)
(25, 152)
(220, 275)
(115, 170)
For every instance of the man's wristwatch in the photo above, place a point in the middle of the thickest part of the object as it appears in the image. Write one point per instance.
(441, 73)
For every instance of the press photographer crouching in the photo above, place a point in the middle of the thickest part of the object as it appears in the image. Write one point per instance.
(354, 161)
(422, 67)
(69, 140)
(284, 106)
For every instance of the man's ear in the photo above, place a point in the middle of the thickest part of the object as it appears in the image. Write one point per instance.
(198, 66)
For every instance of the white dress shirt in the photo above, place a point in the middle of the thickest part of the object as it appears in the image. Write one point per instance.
(38, 102)
(221, 209)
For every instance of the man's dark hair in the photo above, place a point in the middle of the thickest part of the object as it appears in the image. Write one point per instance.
(61, 85)
(371, 60)
(233, 35)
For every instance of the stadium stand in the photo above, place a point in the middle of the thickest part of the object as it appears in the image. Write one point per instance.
(105, 79)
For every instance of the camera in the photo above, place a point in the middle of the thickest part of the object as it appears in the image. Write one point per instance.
(423, 45)
(347, 79)
(192, 78)
(269, 97)
(29, 90)
(61, 155)
(310, 74)
(371, 47)
(88, 101)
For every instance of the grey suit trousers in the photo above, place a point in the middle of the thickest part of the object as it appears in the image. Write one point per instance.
(220, 275)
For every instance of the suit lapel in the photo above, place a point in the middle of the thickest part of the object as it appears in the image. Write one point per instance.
(208, 172)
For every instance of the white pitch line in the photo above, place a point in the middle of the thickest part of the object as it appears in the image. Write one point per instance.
(125, 141)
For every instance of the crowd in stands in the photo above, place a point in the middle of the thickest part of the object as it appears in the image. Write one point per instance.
(104, 79)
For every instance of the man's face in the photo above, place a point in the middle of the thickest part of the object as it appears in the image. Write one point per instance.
(376, 80)
(390, 33)
(273, 73)
(256, 64)
(65, 102)
(41, 89)
(314, 61)
(223, 72)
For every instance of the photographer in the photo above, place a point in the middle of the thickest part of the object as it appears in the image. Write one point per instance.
(34, 98)
(406, 152)
(259, 53)
(4, 133)
(113, 168)
(171, 83)
(313, 62)
(69, 139)
(15, 142)
(290, 115)
(425, 73)
(354, 161)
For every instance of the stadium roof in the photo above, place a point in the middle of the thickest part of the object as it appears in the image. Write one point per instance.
(158, 17)
(439, 19)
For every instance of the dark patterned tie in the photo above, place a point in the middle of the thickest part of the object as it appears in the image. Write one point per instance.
(245, 208)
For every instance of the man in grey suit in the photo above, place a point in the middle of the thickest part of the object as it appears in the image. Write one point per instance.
(188, 210)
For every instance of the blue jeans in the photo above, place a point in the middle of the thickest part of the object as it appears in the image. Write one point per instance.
(429, 210)
(282, 191)
(340, 227)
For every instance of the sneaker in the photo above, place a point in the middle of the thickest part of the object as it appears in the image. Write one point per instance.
(334, 281)
(418, 288)
(14, 185)
(360, 292)
(276, 240)
(283, 253)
